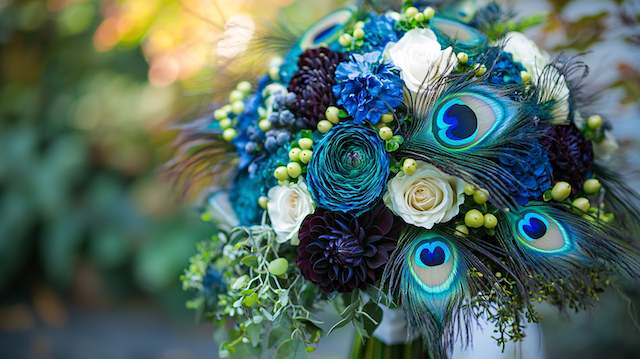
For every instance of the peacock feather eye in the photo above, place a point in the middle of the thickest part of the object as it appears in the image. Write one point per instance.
(458, 35)
(465, 119)
(326, 30)
(541, 233)
(434, 264)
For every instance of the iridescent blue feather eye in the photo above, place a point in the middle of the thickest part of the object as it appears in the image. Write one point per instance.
(465, 119)
(540, 233)
(434, 265)
(458, 35)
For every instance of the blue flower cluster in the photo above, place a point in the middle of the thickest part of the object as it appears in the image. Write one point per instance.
(506, 70)
(349, 169)
(247, 125)
(380, 30)
(367, 87)
(531, 171)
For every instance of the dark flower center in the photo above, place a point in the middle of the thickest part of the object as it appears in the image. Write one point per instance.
(344, 251)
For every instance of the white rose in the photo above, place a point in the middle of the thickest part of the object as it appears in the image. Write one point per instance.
(420, 59)
(287, 207)
(426, 197)
(534, 60)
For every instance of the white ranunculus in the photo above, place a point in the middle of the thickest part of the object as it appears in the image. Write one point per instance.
(426, 197)
(534, 60)
(287, 207)
(420, 59)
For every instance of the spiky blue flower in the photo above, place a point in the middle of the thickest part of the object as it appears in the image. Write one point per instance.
(531, 171)
(367, 87)
(379, 31)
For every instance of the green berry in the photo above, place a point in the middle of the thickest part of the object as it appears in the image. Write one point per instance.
(387, 118)
(359, 25)
(385, 133)
(561, 191)
(481, 70)
(219, 114)
(490, 221)
(294, 154)
(411, 12)
(419, 17)
(591, 186)
(469, 189)
(429, 13)
(265, 125)
(274, 73)
(581, 204)
(250, 300)
(235, 95)
(481, 196)
(305, 156)
(332, 114)
(278, 266)
(345, 40)
(324, 126)
(463, 58)
(237, 107)
(474, 219)
(229, 134)
(225, 123)
(594, 122)
(305, 143)
(244, 86)
(281, 173)
(263, 201)
(409, 166)
(358, 34)
(462, 230)
(294, 170)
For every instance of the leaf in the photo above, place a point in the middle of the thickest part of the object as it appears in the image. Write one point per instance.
(374, 312)
(291, 349)
(249, 261)
(340, 324)
(280, 331)
(254, 333)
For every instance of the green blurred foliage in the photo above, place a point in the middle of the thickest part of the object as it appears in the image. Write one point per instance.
(81, 137)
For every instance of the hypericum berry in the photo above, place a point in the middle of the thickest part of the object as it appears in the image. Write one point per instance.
(229, 134)
(219, 114)
(419, 17)
(265, 125)
(481, 70)
(332, 114)
(237, 107)
(481, 196)
(462, 230)
(561, 191)
(294, 154)
(305, 156)
(385, 133)
(387, 118)
(429, 13)
(490, 221)
(463, 58)
(345, 40)
(358, 34)
(595, 122)
(225, 123)
(244, 86)
(581, 204)
(591, 186)
(324, 126)
(281, 173)
(305, 143)
(469, 189)
(410, 12)
(263, 201)
(409, 166)
(236, 95)
(474, 218)
(294, 170)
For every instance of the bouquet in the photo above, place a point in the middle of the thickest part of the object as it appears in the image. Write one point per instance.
(430, 161)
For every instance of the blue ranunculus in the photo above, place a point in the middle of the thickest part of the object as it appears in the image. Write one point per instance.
(531, 173)
(380, 30)
(367, 87)
(349, 169)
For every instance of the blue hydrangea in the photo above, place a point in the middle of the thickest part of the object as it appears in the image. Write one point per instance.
(506, 70)
(244, 194)
(531, 171)
(380, 30)
(349, 169)
(367, 87)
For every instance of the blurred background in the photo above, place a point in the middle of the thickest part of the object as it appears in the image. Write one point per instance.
(92, 240)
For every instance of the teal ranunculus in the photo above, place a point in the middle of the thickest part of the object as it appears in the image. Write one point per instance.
(349, 169)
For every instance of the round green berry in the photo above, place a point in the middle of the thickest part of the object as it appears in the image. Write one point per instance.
(235, 95)
(345, 40)
(410, 12)
(229, 134)
(463, 58)
(481, 196)
(429, 13)
(469, 189)
(263, 201)
(409, 166)
(250, 300)
(419, 17)
(225, 123)
(561, 191)
(324, 126)
(385, 133)
(305, 156)
(581, 204)
(278, 266)
(265, 125)
(294, 154)
(294, 169)
(244, 86)
(281, 173)
(387, 118)
(332, 114)
(490, 221)
(358, 34)
(237, 107)
(305, 143)
(474, 218)
(595, 122)
(591, 186)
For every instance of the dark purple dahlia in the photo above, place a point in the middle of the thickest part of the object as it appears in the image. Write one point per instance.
(570, 154)
(342, 252)
(313, 83)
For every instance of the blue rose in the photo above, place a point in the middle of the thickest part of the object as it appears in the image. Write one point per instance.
(349, 169)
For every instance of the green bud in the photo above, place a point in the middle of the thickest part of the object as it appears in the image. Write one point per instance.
(490, 221)
(294, 170)
(561, 191)
(591, 186)
(581, 204)
(481, 196)
(474, 219)
(469, 189)
(409, 166)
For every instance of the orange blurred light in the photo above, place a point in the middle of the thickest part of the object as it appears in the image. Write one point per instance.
(164, 70)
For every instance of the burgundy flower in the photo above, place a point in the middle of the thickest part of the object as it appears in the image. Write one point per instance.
(341, 252)
(570, 154)
(313, 83)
